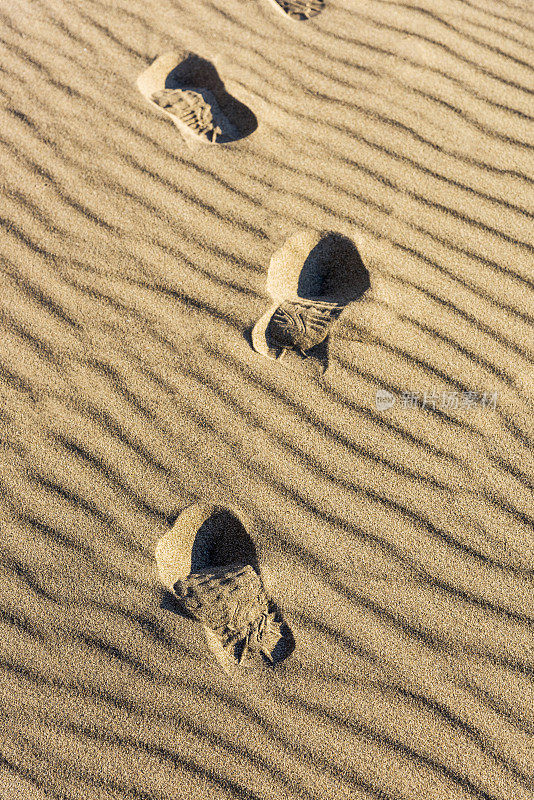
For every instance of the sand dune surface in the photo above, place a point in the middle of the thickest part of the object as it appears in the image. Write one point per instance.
(389, 499)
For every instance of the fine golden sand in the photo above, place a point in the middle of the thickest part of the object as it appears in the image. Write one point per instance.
(399, 542)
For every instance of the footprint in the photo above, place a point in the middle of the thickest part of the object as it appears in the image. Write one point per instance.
(311, 279)
(189, 90)
(300, 9)
(208, 561)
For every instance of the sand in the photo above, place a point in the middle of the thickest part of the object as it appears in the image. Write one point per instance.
(397, 541)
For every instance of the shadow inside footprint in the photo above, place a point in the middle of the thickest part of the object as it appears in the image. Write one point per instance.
(333, 271)
(223, 540)
(194, 72)
(210, 562)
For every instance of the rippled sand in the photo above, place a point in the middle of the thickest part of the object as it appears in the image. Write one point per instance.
(398, 542)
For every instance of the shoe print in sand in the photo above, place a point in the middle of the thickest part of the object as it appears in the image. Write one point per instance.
(191, 93)
(207, 560)
(300, 9)
(311, 279)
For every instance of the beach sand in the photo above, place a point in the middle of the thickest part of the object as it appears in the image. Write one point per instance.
(398, 542)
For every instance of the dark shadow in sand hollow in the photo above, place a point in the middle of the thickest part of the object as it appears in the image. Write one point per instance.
(333, 271)
(195, 72)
